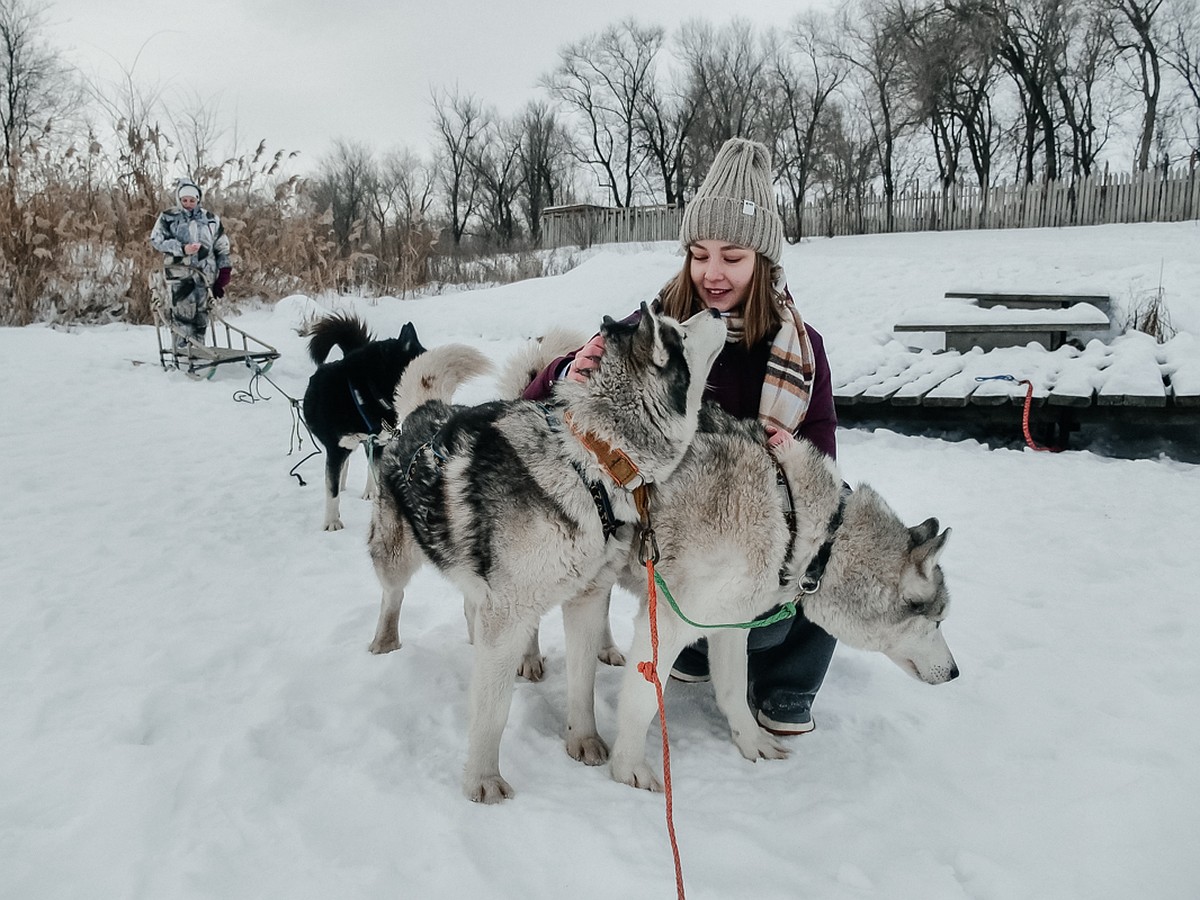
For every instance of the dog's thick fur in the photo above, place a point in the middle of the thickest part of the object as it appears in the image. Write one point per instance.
(515, 375)
(724, 539)
(497, 496)
(349, 400)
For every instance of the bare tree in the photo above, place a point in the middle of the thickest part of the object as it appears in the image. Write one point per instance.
(1030, 45)
(411, 183)
(846, 164)
(500, 174)
(461, 122)
(605, 80)
(1181, 53)
(195, 126)
(805, 75)
(1081, 78)
(1137, 38)
(36, 87)
(344, 190)
(544, 156)
(728, 71)
(874, 46)
(664, 127)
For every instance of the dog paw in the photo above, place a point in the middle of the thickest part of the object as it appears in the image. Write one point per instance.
(384, 645)
(489, 789)
(611, 656)
(532, 668)
(638, 775)
(589, 750)
(762, 745)
(335, 525)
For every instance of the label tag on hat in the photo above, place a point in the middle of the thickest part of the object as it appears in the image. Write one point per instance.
(748, 208)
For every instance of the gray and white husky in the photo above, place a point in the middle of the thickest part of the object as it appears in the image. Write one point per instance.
(516, 503)
(729, 554)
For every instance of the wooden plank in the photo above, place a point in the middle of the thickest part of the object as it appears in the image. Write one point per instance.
(1182, 362)
(1075, 383)
(955, 391)
(860, 389)
(920, 380)
(989, 299)
(1134, 379)
(1004, 327)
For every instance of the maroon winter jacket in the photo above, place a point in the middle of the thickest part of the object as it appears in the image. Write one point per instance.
(735, 384)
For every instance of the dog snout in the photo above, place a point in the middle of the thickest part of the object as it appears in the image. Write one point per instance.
(941, 673)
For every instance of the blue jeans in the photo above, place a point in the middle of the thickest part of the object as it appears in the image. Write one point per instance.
(786, 664)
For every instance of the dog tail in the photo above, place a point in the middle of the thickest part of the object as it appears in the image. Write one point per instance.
(344, 330)
(436, 375)
(524, 365)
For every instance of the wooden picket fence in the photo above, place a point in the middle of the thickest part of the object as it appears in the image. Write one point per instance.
(584, 224)
(1100, 199)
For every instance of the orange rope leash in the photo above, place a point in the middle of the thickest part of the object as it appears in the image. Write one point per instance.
(1030, 442)
(649, 671)
(1033, 445)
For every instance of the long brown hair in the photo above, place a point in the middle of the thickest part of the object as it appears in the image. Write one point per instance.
(760, 313)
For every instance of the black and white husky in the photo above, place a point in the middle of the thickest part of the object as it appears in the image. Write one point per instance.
(518, 503)
(741, 531)
(349, 400)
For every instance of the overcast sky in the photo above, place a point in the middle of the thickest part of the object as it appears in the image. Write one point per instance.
(300, 73)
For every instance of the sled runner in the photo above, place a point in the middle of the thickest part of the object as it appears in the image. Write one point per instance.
(227, 344)
(177, 349)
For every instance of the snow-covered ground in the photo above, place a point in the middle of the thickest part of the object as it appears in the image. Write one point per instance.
(190, 711)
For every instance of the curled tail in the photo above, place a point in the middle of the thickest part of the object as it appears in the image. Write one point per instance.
(436, 375)
(344, 330)
(537, 353)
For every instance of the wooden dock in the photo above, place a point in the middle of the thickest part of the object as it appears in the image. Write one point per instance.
(1132, 380)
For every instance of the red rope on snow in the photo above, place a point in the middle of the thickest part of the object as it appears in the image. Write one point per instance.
(649, 671)
(1030, 442)
(1033, 445)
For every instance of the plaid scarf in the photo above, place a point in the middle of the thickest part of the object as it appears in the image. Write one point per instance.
(787, 387)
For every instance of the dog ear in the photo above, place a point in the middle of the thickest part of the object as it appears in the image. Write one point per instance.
(649, 336)
(409, 340)
(925, 554)
(919, 534)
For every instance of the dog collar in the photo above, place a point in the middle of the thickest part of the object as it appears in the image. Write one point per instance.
(614, 461)
(811, 582)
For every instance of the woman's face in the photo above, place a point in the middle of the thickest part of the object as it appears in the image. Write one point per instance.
(721, 274)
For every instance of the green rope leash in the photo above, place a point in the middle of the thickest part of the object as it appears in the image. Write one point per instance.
(786, 611)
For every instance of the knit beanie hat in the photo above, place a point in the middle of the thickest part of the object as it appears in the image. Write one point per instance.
(735, 202)
(187, 189)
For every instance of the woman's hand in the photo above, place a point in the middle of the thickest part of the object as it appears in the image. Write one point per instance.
(586, 360)
(777, 438)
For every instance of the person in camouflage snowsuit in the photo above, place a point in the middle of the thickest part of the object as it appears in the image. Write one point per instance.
(195, 258)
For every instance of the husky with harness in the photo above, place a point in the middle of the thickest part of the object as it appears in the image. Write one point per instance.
(348, 401)
(520, 505)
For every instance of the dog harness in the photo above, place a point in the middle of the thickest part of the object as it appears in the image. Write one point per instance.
(374, 426)
(612, 461)
(810, 581)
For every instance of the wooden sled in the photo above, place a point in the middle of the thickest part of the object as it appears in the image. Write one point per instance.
(226, 344)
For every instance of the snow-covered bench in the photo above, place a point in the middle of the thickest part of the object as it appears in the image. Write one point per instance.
(989, 320)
